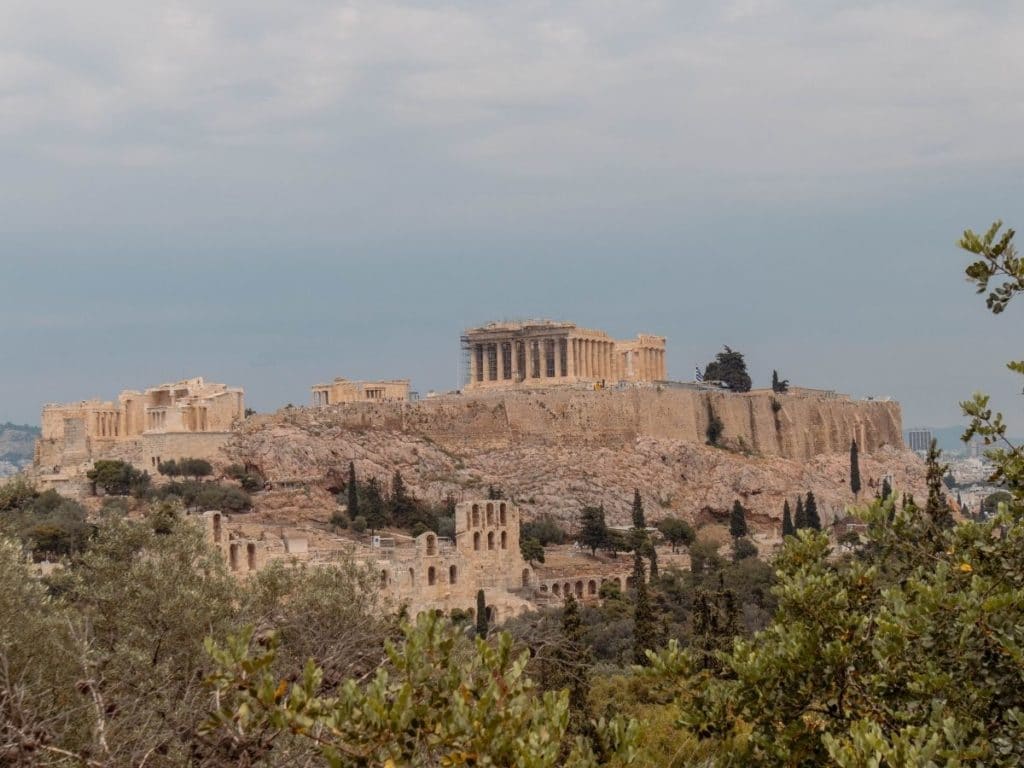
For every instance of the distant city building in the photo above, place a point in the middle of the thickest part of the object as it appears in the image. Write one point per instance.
(919, 440)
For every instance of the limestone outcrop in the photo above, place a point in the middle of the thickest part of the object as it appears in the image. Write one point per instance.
(555, 451)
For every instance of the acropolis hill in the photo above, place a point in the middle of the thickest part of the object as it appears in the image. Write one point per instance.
(556, 415)
(555, 450)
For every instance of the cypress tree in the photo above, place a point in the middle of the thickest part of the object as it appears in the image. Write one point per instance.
(575, 658)
(353, 492)
(886, 489)
(800, 520)
(811, 512)
(639, 520)
(937, 507)
(652, 555)
(737, 520)
(481, 614)
(788, 529)
(644, 628)
(854, 469)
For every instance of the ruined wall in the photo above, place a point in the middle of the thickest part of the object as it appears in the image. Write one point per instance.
(179, 445)
(798, 427)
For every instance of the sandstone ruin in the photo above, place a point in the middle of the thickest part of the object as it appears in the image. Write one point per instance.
(342, 390)
(541, 353)
(190, 418)
(428, 572)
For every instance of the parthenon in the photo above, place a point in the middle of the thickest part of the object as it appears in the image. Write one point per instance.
(543, 352)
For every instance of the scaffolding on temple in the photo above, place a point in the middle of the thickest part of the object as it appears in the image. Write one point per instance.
(465, 362)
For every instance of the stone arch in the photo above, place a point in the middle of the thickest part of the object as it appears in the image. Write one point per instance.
(544, 588)
(504, 539)
(431, 544)
(453, 574)
(591, 587)
(629, 582)
(250, 556)
(490, 513)
(555, 588)
(501, 514)
(526, 577)
(490, 540)
(476, 515)
(618, 582)
(579, 588)
(568, 589)
(431, 576)
(476, 540)
(233, 556)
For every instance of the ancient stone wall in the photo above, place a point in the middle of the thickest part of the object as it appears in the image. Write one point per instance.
(790, 426)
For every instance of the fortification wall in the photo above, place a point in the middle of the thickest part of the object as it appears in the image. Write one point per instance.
(790, 426)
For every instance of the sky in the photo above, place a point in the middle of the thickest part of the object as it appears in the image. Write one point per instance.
(274, 194)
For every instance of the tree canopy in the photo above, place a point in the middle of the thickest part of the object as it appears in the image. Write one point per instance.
(730, 368)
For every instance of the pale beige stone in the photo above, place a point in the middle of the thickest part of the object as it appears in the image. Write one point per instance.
(342, 390)
(542, 353)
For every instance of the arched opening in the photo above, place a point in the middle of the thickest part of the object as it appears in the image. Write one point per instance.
(250, 556)
(568, 588)
(526, 577)
(544, 588)
(233, 556)
(591, 587)
(490, 514)
(476, 515)
(431, 576)
(476, 540)
(492, 614)
(453, 574)
(412, 577)
(431, 544)
(579, 589)
(501, 513)
(383, 578)
(504, 540)
(629, 582)
(490, 540)
(554, 588)
(216, 528)
(618, 582)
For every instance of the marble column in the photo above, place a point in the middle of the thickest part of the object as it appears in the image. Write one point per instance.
(475, 363)
(559, 366)
(501, 360)
(515, 362)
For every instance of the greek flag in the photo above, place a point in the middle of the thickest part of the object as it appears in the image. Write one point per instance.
(700, 376)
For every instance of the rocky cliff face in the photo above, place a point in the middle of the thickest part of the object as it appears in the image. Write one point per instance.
(556, 451)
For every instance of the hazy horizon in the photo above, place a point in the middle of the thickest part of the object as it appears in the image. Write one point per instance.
(274, 197)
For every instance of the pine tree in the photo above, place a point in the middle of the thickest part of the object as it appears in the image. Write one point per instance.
(737, 520)
(593, 529)
(375, 512)
(353, 492)
(811, 512)
(403, 507)
(800, 518)
(644, 626)
(788, 529)
(854, 469)
(481, 614)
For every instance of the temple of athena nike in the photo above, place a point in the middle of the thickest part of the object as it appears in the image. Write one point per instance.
(543, 353)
